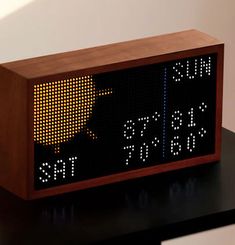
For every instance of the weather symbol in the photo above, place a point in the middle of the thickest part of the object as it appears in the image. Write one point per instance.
(63, 108)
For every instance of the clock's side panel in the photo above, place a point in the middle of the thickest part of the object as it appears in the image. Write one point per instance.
(13, 132)
(31, 158)
(219, 99)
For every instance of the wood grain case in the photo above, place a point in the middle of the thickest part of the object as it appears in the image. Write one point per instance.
(16, 101)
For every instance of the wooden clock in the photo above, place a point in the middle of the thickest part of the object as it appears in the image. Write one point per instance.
(96, 116)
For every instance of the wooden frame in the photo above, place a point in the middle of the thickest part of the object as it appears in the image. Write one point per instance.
(16, 102)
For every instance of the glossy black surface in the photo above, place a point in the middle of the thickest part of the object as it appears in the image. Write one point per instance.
(144, 210)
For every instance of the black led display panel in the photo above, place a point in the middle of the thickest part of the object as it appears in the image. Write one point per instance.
(97, 125)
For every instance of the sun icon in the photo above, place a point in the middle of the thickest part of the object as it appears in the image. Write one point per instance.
(63, 108)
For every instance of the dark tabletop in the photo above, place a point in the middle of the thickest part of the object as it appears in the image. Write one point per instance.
(144, 211)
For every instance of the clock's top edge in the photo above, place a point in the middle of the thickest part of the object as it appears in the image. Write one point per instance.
(101, 56)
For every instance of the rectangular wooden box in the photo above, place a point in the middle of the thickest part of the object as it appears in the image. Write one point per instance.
(17, 81)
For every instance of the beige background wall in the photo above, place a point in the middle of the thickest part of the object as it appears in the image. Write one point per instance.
(41, 27)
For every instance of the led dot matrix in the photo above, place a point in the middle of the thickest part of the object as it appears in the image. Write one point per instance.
(63, 109)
